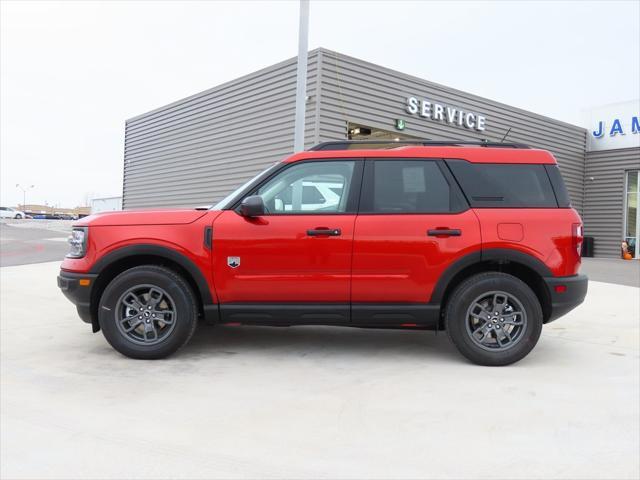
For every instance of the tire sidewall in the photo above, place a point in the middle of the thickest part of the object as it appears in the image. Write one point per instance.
(186, 314)
(469, 291)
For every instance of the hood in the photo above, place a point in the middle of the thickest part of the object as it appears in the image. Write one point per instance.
(142, 217)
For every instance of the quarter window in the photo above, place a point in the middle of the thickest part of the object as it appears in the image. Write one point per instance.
(310, 187)
(560, 189)
(497, 185)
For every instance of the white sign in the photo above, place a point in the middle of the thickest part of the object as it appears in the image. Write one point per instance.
(446, 114)
(614, 126)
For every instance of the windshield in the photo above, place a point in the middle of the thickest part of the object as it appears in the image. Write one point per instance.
(227, 201)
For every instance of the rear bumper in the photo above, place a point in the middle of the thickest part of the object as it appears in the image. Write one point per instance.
(566, 293)
(79, 295)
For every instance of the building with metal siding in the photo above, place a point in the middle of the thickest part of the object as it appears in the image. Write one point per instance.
(359, 92)
(196, 150)
(604, 193)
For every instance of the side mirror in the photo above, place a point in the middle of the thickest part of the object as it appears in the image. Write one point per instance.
(252, 206)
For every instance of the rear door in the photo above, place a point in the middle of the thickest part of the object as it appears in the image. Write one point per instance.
(413, 223)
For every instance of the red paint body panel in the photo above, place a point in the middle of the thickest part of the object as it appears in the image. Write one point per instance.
(279, 262)
(471, 154)
(547, 235)
(185, 239)
(375, 259)
(142, 217)
(395, 261)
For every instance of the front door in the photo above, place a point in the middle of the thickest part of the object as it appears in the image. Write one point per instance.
(298, 252)
(413, 224)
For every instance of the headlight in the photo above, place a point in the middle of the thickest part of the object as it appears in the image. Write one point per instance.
(78, 242)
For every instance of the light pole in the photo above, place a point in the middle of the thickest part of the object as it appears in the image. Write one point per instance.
(301, 77)
(24, 193)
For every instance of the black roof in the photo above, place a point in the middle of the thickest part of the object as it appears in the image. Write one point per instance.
(345, 144)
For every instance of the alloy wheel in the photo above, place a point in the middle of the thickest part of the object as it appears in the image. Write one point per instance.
(496, 321)
(145, 314)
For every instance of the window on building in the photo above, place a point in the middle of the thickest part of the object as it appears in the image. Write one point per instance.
(631, 217)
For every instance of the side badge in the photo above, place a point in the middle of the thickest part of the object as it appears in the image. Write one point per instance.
(233, 262)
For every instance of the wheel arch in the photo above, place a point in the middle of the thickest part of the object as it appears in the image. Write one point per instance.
(116, 262)
(521, 265)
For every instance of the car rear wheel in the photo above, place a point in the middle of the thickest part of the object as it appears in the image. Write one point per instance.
(494, 319)
(148, 312)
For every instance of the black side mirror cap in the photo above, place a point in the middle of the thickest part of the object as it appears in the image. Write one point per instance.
(252, 206)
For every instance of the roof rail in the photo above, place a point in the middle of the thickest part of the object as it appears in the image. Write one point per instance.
(345, 144)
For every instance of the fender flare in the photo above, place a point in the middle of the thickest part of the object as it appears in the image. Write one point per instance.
(479, 256)
(157, 251)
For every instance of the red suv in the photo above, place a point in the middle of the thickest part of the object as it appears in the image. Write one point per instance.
(479, 240)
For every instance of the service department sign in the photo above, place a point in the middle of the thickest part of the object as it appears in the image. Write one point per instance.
(446, 114)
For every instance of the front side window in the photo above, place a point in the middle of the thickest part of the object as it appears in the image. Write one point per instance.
(408, 186)
(310, 187)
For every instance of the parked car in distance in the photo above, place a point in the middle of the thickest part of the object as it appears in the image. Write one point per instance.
(55, 216)
(8, 212)
(479, 240)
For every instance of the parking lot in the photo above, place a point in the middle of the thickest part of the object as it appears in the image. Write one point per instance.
(316, 402)
(33, 241)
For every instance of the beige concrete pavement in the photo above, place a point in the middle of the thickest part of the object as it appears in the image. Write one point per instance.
(313, 402)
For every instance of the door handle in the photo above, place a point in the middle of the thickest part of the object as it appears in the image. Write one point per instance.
(444, 232)
(324, 232)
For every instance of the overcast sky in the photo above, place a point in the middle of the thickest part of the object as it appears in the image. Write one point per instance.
(73, 72)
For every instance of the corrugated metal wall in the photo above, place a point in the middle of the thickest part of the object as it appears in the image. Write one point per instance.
(196, 150)
(361, 92)
(604, 197)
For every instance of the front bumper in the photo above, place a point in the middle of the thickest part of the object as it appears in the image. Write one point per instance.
(79, 293)
(566, 293)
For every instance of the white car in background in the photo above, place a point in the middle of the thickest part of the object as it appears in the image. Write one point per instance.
(8, 212)
(316, 196)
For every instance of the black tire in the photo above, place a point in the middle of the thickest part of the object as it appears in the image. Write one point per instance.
(462, 310)
(18, 216)
(113, 308)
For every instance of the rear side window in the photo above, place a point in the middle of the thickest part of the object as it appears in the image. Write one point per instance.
(498, 185)
(408, 186)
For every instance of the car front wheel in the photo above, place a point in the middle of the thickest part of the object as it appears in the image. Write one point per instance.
(494, 319)
(18, 216)
(148, 312)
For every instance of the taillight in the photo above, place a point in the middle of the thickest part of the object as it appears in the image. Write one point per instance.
(578, 236)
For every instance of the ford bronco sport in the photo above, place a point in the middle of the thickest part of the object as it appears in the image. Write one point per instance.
(479, 240)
